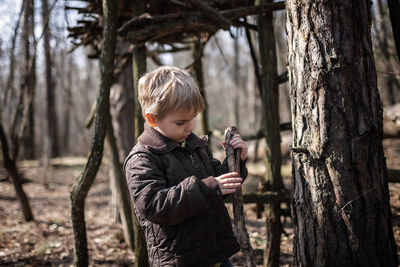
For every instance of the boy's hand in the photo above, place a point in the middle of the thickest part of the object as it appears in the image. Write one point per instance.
(228, 182)
(237, 142)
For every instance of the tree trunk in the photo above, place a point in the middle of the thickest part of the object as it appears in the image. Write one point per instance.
(198, 69)
(382, 33)
(10, 166)
(340, 207)
(11, 72)
(236, 79)
(67, 104)
(52, 125)
(271, 129)
(28, 82)
(123, 106)
(122, 191)
(102, 118)
(139, 68)
(394, 10)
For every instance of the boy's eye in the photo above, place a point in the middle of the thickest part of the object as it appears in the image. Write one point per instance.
(179, 123)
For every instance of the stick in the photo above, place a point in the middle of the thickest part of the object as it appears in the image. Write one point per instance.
(233, 157)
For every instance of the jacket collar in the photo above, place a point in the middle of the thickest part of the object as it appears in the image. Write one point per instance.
(157, 142)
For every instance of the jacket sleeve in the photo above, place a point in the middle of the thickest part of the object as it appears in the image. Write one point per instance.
(221, 168)
(158, 202)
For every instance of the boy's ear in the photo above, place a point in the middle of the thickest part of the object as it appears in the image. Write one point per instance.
(151, 119)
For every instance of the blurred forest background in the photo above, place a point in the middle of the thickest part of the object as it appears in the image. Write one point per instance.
(49, 82)
(229, 77)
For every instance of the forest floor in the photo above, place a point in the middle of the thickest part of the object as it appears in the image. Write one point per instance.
(48, 241)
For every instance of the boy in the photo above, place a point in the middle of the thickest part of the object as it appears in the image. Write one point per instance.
(175, 184)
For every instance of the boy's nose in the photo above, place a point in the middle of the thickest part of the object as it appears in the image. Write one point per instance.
(189, 128)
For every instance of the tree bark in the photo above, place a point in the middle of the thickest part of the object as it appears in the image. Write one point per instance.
(10, 166)
(271, 130)
(123, 106)
(382, 33)
(394, 10)
(102, 119)
(233, 158)
(198, 69)
(122, 191)
(139, 68)
(236, 79)
(52, 121)
(340, 206)
(29, 80)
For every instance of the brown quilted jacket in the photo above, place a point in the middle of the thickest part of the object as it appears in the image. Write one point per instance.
(178, 205)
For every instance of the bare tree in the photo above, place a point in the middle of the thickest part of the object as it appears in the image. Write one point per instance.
(394, 10)
(102, 119)
(52, 121)
(271, 130)
(340, 207)
(139, 68)
(28, 82)
(10, 166)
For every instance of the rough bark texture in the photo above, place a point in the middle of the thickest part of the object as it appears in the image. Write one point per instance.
(340, 207)
(139, 68)
(233, 158)
(271, 130)
(52, 126)
(102, 118)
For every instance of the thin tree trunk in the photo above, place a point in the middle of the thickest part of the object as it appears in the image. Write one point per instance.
(198, 69)
(122, 191)
(139, 68)
(52, 121)
(123, 100)
(11, 73)
(67, 105)
(340, 207)
(394, 10)
(271, 129)
(236, 79)
(29, 81)
(382, 33)
(10, 166)
(102, 119)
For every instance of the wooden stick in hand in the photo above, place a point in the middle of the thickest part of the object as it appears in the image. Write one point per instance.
(233, 157)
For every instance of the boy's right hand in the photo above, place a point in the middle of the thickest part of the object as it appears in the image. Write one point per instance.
(229, 182)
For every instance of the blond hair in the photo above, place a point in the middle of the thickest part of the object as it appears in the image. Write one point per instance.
(168, 89)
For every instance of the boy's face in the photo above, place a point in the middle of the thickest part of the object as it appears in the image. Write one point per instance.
(176, 125)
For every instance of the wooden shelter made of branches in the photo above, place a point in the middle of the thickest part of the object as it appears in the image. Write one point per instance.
(164, 22)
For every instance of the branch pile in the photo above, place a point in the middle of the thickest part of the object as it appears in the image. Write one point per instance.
(165, 22)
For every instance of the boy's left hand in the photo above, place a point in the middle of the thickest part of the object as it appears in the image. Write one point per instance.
(237, 142)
